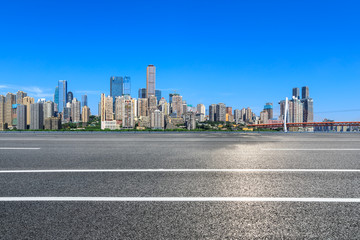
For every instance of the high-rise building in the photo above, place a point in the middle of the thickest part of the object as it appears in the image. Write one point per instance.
(264, 116)
(62, 88)
(158, 95)
(152, 101)
(305, 92)
(296, 93)
(164, 107)
(53, 123)
(142, 107)
(177, 105)
(119, 108)
(238, 117)
(229, 111)
(28, 101)
(157, 120)
(84, 100)
(296, 110)
(2, 112)
(21, 117)
(308, 110)
(190, 120)
(248, 115)
(128, 120)
(212, 113)
(142, 93)
(269, 108)
(67, 113)
(56, 96)
(48, 110)
(69, 97)
(107, 113)
(85, 116)
(150, 80)
(37, 116)
(10, 101)
(76, 111)
(221, 112)
(116, 86)
(19, 97)
(201, 112)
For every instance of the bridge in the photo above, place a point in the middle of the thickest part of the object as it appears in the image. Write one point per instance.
(306, 124)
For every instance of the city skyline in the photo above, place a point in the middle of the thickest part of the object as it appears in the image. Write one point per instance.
(242, 54)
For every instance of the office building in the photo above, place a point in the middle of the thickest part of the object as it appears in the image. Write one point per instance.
(116, 86)
(56, 97)
(305, 92)
(150, 80)
(142, 93)
(69, 97)
(67, 113)
(62, 88)
(75, 111)
(221, 112)
(84, 100)
(296, 93)
(85, 116)
(37, 116)
(21, 117)
(158, 95)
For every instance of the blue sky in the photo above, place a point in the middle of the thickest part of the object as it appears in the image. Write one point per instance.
(242, 53)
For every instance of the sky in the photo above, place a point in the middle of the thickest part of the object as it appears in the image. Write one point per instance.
(241, 53)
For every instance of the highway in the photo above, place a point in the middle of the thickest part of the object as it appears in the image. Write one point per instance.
(179, 185)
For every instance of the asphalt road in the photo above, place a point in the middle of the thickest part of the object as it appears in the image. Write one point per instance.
(179, 186)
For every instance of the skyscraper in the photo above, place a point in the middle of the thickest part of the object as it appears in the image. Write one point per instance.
(85, 114)
(142, 107)
(152, 104)
(157, 120)
(10, 100)
(177, 105)
(19, 97)
(296, 93)
(305, 92)
(69, 97)
(128, 116)
(127, 86)
(37, 116)
(142, 93)
(158, 95)
(84, 100)
(75, 111)
(221, 112)
(28, 101)
(48, 110)
(2, 112)
(212, 112)
(107, 112)
(150, 80)
(116, 86)
(21, 117)
(62, 89)
(269, 108)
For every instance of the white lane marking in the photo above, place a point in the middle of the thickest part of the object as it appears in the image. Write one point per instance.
(174, 170)
(177, 199)
(310, 149)
(19, 148)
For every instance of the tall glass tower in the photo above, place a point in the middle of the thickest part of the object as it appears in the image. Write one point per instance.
(62, 88)
(84, 100)
(116, 86)
(150, 81)
(56, 96)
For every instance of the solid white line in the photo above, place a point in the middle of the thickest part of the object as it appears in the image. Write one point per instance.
(177, 199)
(174, 170)
(310, 149)
(13, 148)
